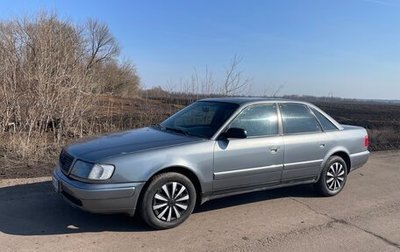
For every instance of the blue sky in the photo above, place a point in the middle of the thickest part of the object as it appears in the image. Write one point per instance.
(346, 48)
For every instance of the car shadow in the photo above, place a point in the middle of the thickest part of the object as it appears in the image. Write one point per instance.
(35, 209)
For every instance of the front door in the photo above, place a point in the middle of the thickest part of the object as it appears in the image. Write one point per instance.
(254, 161)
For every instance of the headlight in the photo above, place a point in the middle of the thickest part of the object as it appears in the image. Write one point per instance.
(82, 169)
(92, 171)
(101, 172)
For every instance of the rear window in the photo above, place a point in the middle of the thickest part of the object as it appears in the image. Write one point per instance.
(325, 123)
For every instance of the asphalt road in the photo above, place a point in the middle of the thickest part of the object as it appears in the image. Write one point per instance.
(364, 217)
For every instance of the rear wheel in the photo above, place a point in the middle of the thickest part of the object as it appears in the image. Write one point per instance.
(333, 177)
(168, 200)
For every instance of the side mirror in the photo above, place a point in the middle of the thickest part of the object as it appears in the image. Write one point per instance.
(234, 133)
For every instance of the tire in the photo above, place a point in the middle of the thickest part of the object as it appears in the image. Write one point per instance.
(333, 177)
(168, 200)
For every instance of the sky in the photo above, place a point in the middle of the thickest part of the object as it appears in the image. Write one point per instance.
(341, 48)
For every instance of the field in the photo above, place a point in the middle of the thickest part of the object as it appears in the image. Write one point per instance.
(382, 120)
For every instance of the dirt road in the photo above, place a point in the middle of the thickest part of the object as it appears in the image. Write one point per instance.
(364, 217)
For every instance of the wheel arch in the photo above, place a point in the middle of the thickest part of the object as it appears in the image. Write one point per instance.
(181, 170)
(340, 153)
(346, 157)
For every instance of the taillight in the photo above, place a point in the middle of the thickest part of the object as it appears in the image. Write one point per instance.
(366, 141)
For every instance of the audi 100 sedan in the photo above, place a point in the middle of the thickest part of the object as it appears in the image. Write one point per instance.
(210, 149)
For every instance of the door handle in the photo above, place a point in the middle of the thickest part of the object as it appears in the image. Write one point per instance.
(274, 149)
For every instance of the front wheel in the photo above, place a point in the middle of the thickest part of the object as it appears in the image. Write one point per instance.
(168, 200)
(333, 176)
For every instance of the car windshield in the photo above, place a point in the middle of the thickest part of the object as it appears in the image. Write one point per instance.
(200, 119)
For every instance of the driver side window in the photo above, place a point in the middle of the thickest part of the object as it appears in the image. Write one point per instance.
(258, 120)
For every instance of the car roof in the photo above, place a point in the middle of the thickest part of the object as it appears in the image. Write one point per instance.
(247, 100)
(244, 101)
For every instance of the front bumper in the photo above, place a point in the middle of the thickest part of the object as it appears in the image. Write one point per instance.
(98, 198)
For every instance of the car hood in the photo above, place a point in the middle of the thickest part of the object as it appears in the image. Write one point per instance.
(125, 142)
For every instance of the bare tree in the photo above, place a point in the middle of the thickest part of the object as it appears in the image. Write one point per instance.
(278, 90)
(101, 45)
(47, 93)
(205, 82)
(116, 78)
(234, 82)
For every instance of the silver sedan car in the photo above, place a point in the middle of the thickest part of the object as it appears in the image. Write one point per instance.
(210, 149)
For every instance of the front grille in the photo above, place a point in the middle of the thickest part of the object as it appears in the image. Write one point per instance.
(66, 161)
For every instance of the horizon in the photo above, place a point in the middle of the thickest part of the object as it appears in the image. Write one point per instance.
(288, 96)
(346, 48)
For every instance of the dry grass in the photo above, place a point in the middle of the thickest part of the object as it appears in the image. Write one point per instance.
(51, 74)
(21, 158)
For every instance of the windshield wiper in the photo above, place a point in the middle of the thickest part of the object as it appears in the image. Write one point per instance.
(158, 126)
(178, 130)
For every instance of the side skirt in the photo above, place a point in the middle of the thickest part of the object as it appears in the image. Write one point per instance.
(237, 191)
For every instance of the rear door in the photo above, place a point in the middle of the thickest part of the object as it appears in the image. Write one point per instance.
(305, 143)
(255, 160)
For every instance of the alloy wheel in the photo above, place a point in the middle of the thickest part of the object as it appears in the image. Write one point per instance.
(335, 177)
(170, 201)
